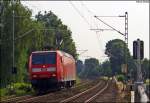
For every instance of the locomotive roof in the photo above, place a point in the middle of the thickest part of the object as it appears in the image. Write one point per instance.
(58, 51)
(43, 51)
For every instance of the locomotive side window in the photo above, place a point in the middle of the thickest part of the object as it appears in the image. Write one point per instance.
(44, 58)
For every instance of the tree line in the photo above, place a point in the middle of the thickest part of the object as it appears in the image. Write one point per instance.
(31, 34)
(115, 50)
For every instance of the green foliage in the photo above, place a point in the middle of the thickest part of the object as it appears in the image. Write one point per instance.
(120, 77)
(147, 81)
(104, 78)
(79, 66)
(3, 92)
(115, 50)
(78, 80)
(56, 31)
(17, 89)
(29, 36)
(105, 69)
(91, 69)
(145, 67)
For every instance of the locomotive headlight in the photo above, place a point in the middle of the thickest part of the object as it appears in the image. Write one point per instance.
(36, 69)
(51, 69)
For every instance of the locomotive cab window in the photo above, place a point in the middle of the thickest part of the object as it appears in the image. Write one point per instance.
(44, 58)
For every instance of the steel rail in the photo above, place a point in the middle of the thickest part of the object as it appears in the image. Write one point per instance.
(32, 98)
(94, 96)
(79, 94)
(16, 98)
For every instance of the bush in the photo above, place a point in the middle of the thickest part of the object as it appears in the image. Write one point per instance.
(3, 92)
(104, 78)
(78, 80)
(23, 86)
(17, 89)
(120, 86)
(147, 81)
(120, 77)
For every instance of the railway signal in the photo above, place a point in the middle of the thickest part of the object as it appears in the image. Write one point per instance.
(138, 44)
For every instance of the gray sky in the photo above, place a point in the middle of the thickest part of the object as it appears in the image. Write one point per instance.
(94, 42)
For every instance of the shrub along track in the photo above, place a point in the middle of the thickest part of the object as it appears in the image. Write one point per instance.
(52, 95)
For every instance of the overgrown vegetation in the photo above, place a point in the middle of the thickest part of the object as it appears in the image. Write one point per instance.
(17, 89)
(78, 80)
(120, 77)
(31, 34)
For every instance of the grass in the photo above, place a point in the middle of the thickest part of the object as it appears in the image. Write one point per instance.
(17, 89)
(78, 80)
(3, 92)
(120, 77)
(147, 81)
(104, 78)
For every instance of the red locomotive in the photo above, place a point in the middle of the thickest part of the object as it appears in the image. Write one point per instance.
(50, 69)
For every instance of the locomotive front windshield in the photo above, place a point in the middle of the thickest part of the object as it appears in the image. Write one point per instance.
(44, 58)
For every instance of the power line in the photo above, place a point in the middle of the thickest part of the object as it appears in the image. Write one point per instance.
(79, 13)
(97, 30)
(87, 8)
(92, 14)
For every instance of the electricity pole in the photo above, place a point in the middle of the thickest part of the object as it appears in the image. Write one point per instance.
(13, 36)
(124, 34)
(126, 37)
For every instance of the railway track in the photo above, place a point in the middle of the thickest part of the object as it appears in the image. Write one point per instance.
(96, 91)
(7, 97)
(15, 99)
(89, 94)
(30, 98)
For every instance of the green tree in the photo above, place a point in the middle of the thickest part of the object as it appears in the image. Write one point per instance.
(105, 68)
(79, 66)
(115, 51)
(146, 68)
(29, 37)
(91, 68)
(55, 28)
(24, 44)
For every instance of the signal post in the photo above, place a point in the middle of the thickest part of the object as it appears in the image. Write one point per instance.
(138, 55)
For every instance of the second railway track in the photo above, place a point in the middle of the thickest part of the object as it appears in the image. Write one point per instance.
(80, 93)
(89, 94)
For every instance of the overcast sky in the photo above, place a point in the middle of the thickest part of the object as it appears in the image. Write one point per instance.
(79, 17)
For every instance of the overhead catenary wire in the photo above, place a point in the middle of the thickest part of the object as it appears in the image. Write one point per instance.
(92, 13)
(80, 13)
(97, 30)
